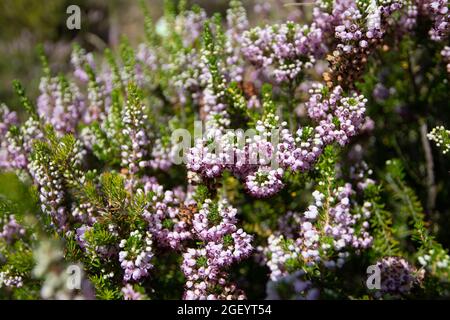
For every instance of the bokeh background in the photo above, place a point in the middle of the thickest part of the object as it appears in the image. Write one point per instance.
(26, 23)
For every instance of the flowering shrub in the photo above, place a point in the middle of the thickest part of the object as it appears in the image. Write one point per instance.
(304, 158)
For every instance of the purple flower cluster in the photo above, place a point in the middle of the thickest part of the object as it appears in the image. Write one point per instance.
(237, 23)
(325, 232)
(136, 255)
(187, 70)
(339, 117)
(16, 145)
(7, 119)
(196, 268)
(262, 8)
(341, 223)
(327, 15)
(208, 74)
(165, 215)
(10, 281)
(283, 50)
(52, 178)
(84, 212)
(260, 163)
(161, 155)
(264, 182)
(408, 20)
(60, 104)
(439, 13)
(187, 67)
(278, 253)
(358, 27)
(97, 83)
(12, 230)
(214, 220)
(130, 294)
(51, 188)
(224, 244)
(288, 224)
(95, 100)
(190, 68)
(189, 25)
(219, 289)
(291, 287)
(147, 56)
(208, 164)
(126, 128)
(83, 236)
(79, 58)
(397, 276)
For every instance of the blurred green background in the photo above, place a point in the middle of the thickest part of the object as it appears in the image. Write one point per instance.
(26, 23)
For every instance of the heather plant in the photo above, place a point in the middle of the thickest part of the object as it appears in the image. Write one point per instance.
(313, 161)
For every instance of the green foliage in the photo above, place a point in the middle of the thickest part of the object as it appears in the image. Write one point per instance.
(381, 221)
(113, 189)
(407, 202)
(24, 100)
(430, 253)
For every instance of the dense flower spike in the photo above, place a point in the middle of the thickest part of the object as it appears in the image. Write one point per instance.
(237, 23)
(50, 180)
(189, 25)
(60, 104)
(161, 155)
(134, 151)
(16, 142)
(196, 267)
(135, 255)
(169, 214)
(206, 290)
(204, 268)
(52, 171)
(7, 119)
